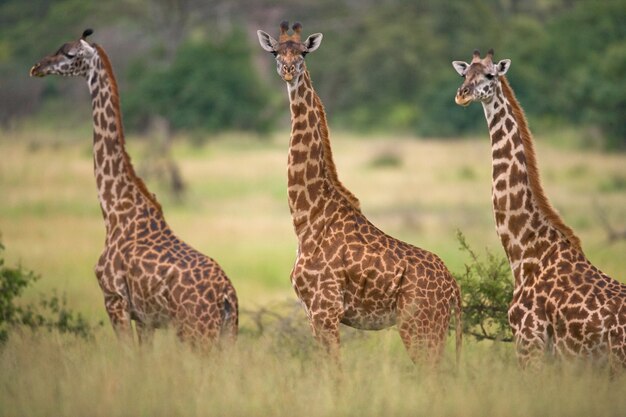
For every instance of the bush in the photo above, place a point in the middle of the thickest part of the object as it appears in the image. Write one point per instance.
(486, 288)
(208, 87)
(51, 313)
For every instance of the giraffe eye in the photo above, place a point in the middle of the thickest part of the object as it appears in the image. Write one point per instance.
(68, 55)
(489, 76)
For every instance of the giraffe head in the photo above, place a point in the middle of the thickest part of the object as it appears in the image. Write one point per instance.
(480, 78)
(71, 59)
(289, 50)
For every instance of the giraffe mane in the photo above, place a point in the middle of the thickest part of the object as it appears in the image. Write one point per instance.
(533, 170)
(115, 98)
(328, 156)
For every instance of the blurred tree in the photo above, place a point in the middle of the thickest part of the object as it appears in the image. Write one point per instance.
(383, 65)
(26, 35)
(607, 94)
(209, 86)
(583, 58)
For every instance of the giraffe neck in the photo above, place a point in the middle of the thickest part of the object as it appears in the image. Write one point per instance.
(119, 187)
(308, 183)
(328, 156)
(526, 223)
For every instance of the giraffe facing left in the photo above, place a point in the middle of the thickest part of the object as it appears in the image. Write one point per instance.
(146, 273)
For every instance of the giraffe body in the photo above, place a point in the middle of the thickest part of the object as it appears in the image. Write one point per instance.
(146, 273)
(347, 270)
(562, 305)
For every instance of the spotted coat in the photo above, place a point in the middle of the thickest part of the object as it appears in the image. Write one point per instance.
(562, 304)
(347, 270)
(146, 273)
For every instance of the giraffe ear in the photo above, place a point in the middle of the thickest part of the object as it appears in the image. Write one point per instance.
(313, 42)
(503, 66)
(460, 67)
(267, 42)
(89, 50)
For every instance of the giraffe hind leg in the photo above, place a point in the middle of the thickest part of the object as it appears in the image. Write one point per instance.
(423, 332)
(198, 324)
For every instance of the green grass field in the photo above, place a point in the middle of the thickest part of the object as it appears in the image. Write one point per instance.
(235, 210)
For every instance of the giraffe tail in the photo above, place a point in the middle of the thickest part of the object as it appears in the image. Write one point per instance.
(458, 323)
(230, 315)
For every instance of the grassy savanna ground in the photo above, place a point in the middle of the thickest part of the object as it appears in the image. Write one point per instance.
(235, 210)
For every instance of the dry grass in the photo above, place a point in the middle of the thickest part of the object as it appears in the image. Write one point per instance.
(236, 212)
(50, 375)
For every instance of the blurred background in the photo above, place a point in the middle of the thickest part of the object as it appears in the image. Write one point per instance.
(207, 125)
(383, 65)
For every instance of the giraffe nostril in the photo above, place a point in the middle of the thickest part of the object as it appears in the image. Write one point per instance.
(465, 91)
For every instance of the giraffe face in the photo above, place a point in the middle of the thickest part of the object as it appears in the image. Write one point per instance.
(289, 54)
(480, 78)
(70, 60)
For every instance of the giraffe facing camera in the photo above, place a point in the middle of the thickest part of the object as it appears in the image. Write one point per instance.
(289, 50)
(346, 269)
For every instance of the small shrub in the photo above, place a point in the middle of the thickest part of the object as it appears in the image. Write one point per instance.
(486, 288)
(51, 313)
(285, 327)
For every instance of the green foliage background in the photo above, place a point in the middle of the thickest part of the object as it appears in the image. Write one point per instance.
(382, 65)
(210, 86)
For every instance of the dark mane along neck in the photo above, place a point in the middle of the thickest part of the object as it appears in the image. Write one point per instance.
(331, 169)
(115, 102)
(534, 179)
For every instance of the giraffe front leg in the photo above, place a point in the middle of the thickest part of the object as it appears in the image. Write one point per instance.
(115, 292)
(145, 333)
(325, 328)
(324, 316)
(119, 313)
(530, 352)
(533, 336)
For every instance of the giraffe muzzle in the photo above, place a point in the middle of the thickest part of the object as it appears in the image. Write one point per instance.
(35, 71)
(463, 97)
(462, 101)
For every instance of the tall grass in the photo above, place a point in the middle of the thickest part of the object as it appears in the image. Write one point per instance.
(50, 374)
(236, 211)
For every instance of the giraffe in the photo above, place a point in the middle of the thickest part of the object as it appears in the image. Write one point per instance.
(562, 305)
(347, 270)
(145, 272)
